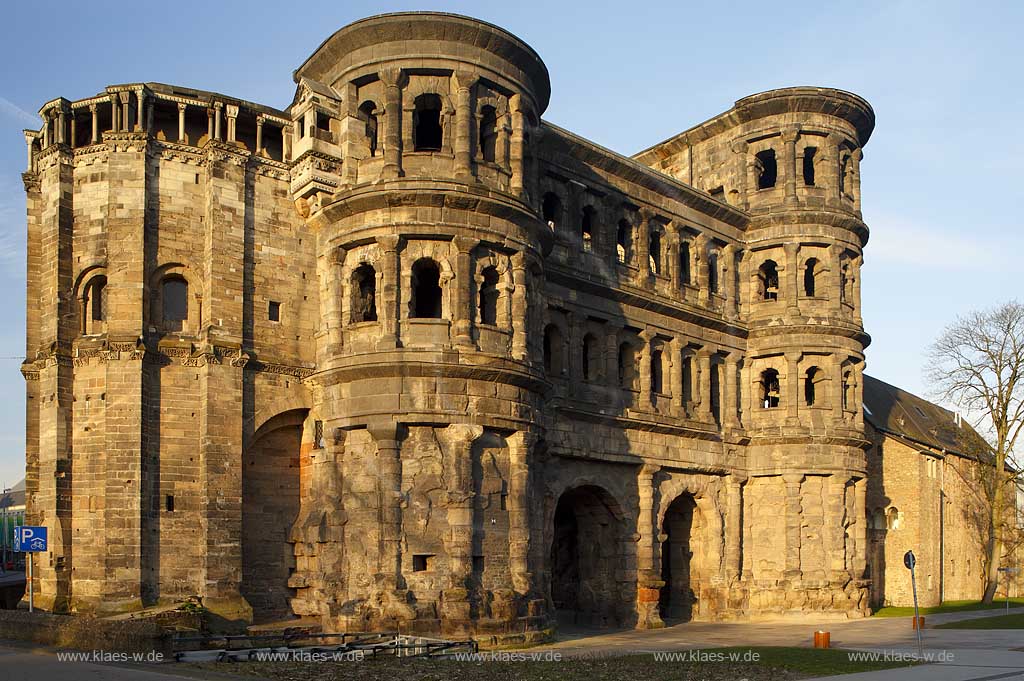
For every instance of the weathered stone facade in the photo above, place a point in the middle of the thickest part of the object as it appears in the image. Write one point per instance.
(404, 354)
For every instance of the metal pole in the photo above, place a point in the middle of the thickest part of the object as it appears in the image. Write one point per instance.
(31, 590)
(917, 616)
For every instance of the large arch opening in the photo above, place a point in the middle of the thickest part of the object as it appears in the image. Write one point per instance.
(270, 504)
(680, 563)
(587, 550)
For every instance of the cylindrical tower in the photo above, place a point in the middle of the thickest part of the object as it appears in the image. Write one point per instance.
(794, 167)
(411, 164)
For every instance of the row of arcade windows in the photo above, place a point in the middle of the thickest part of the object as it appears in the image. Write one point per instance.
(425, 293)
(767, 167)
(771, 393)
(768, 279)
(428, 131)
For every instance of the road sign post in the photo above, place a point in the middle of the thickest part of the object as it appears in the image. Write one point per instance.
(910, 560)
(1008, 571)
(30, 540)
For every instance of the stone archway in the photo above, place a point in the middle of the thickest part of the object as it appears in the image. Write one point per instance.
(270, 503)
(681, 558)
(587, 552)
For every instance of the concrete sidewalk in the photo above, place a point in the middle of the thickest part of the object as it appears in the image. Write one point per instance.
(962, 665)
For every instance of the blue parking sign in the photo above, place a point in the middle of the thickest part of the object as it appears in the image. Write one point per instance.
(29, 539)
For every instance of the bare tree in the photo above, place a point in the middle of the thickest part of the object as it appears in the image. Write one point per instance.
(978, 364)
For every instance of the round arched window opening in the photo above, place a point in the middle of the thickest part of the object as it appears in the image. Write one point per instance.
(426, 289)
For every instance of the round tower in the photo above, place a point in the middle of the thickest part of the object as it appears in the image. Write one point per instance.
(411, 164)
(796, 169)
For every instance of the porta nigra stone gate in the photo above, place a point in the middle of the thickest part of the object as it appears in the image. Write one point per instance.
(404, 355)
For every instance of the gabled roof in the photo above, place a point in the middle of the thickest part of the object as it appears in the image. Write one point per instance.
(15, 496)
(896, 412)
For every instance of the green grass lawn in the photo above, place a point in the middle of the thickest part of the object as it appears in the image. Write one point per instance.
(711, 664)
(1014, 621)
(949, 606)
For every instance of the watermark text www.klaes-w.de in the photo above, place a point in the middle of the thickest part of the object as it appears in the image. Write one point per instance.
(108, 656)
(898, 656)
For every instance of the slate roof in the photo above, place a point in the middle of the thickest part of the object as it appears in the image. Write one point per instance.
(896, 412)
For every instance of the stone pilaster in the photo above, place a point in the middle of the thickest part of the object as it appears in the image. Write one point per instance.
(790, 289)
(645, 370)
(789, 137)
(389, 288)
(521, 445)
(649, 580)
(520, 308)
(734, 528)
(460, 501)
(704, 382)
(392, 79)
(791, 389)
(464, 312)
(463, 83)
(793, 520)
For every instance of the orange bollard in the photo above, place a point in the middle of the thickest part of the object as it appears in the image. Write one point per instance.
(919, 623)
(822, 639)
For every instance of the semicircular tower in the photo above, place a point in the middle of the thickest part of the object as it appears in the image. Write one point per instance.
(411, 165)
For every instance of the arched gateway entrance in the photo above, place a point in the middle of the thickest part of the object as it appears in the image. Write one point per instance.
(589, 560)
(681, 559)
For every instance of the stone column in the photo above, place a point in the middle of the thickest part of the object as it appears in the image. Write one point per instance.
(740, 162)
(789, 137)
(834, 282)
(704, 382)
(645, 370)
(700, 270)
(835, 527)
(643, 246)
(74, 139)
(829, 163)
(520, 450)
(209, 124)
(678, 408)
(728, 265)
(792, 388)
(464, 308)
(463, 82)
(611, 340)
(217, 106)
(389, 485)
(259, 135)
(182, 139)
(520, 305)
(729, 397)
(517, 150)
(734, 527)
(392, 79)
(790, 289)
(95, 124)
(858, 396)
(649, 580)
(125, 113)
(115, 113)
(855, 265)
(389, 290)
(140, 97)
(792, 482)
(855, 159)
(837, 389)
(460, 501)
(573, 355)
(860, 534)
(231, 111)
(61, 134)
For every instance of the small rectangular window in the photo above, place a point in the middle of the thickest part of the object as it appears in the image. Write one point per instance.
(274, 311)
(422, 562)
(169, 503)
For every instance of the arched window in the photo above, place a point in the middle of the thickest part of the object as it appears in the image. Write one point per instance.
(488, 133)
(624, 241)
(626, 361)
(767, 169)
(713, 273)
(770, 391)
(368, 115)
(426, 123)
(768, 280)
(489, 296)
(95, 304)
(809, 154)
(654, 251)
(364, 294)
(684, 262)
(847, 390)
(591, 358)
(809, 274)
(844, 171)
(687, 380)
(551, 208)
(657, 371)
(810, 379)
(587, 228)
(892, 518)
(426, 289)
(553, 364)
(174, 302)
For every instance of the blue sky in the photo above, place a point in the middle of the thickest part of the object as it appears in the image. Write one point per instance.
(941, 175)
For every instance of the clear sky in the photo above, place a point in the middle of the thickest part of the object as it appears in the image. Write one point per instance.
(941, 174)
